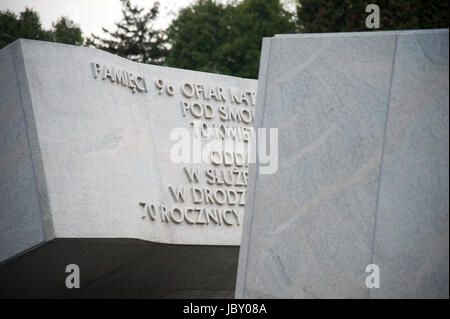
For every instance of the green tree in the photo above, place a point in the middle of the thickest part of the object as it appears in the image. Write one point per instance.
(135, 37)
(28, 26)
(196, 35)
(65, 31)
(350, 15)
(247, 24)
(432, 14)
(8, 27)
(212, 37)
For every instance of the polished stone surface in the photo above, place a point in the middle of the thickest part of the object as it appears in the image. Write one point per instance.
(94, 149)
(20, 213)
(81, 153)
(363, 123)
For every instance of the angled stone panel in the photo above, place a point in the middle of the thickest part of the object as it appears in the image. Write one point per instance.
(85, 153)
(362, 124)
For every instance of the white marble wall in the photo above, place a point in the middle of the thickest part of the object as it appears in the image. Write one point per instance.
(78, 153)
(363, 122)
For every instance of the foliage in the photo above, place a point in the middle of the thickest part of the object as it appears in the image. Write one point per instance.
(134, 37)
(66, 32)
(213, 37)
(350, 15)
(28, 26)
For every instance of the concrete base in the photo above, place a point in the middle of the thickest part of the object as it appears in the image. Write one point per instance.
(121, 268)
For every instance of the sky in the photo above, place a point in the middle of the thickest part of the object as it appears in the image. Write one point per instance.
(92, 15)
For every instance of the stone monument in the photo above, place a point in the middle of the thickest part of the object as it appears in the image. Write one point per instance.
(118, 168)
(362, 180)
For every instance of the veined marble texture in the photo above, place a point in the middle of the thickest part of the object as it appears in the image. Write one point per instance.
(80, 152)
(363, 146)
